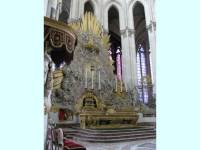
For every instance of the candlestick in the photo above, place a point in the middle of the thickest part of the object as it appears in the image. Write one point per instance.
(99, 81)
(92, 81)
(110, 54)
(121, 86)
(86, 78)
(118, 61)
(126, 88)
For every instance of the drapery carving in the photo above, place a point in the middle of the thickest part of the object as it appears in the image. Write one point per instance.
(59, 35)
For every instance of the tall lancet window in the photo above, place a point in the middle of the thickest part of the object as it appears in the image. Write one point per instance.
(115, 38)
(142, 74)
(142, 55)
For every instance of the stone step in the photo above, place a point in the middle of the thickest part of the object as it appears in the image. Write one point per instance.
(107, 134)
(115, 140)
(109, 130)
(110, 135)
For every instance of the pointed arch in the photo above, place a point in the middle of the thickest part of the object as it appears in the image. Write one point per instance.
(89, 7)
(95, 4)
(119, 8)
(131, 6)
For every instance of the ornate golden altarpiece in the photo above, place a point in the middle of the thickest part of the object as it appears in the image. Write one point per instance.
(95, 114)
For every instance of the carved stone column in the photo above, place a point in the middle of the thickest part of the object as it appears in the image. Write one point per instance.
(45, 7)
(126, 59)
(151, 28)
(51, 9)
(129, 65)
(132, 52)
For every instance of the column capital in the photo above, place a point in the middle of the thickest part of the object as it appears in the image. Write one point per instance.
(123, 32)
(151, 26)
(131, 32)
(127, 31)
(154, 25)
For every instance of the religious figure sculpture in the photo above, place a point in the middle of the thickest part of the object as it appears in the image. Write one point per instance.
(48, 86)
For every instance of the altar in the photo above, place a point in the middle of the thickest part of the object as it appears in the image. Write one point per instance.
(88, 87)
(101, 120)
(95, 114)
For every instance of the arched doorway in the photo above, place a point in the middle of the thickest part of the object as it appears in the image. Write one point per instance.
(88, 7)
(142, 55)
(115, 36)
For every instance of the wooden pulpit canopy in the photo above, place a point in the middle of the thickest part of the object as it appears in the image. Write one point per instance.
(59, 35)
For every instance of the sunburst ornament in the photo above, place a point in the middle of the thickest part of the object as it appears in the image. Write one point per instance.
(90, 26)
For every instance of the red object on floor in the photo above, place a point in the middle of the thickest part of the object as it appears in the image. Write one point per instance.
(71, 145)
(61, 114)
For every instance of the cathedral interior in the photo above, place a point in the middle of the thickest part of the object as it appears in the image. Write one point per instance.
(99, 75)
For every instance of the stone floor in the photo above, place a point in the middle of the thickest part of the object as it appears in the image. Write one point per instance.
(134, 145)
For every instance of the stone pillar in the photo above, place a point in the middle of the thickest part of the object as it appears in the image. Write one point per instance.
(124, 55)
(152, 43)
(45, 7)
(75, 12)
(72, 10)
(132, 53)
(101, 12)
(126, 71)
(51, 9)
(81, 8)
(129, 64)
(58, 9)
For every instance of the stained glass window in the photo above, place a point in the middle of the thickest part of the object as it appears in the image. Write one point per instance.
(142, 74)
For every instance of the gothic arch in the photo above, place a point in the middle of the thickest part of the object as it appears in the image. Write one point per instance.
(89, 6)
(131, 6)
(94, 3)
(119, 8)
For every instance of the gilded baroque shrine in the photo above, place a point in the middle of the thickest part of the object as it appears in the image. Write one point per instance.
(99, 74)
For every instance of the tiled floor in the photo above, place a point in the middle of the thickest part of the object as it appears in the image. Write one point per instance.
(135, 145)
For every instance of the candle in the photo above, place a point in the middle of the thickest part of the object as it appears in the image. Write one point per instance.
(99, 81)
(126, 87)
(118, 61)
(92, 79)
(110, 54)
(86, 78)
